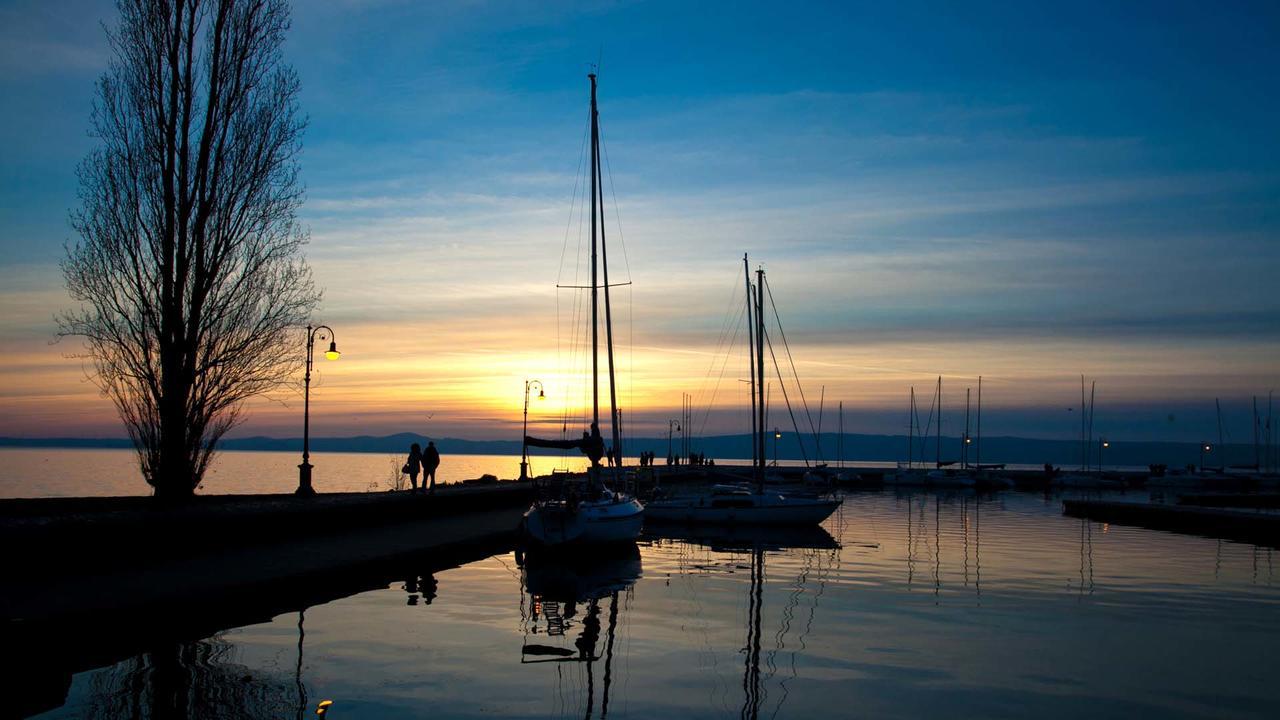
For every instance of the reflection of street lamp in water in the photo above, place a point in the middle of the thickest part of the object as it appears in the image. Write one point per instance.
(304, 470)
(524, 444)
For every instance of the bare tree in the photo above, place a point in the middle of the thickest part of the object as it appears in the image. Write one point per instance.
(188, 273)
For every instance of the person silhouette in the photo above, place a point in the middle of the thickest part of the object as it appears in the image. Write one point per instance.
(430, 461)
(413, 465)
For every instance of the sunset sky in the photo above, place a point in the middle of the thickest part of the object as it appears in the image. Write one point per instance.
(1012, 190)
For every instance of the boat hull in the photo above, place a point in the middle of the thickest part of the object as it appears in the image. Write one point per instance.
(790, 513)
(556, 523)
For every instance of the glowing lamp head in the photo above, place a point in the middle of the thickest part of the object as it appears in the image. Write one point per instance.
(776, 435)
(332, 353)
(1106, 444)
(542, 395)
(1207, 448)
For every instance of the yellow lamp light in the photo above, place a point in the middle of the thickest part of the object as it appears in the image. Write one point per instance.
(332, 353)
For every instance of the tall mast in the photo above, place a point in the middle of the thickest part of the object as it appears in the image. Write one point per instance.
(751, 356)
(911, 430)
(1093, 388)
(595, 284)
(840, 445)
(1223, 458)
(938, 452)
(760, 366)
(597, 202)
(979, 421)
(1082, 442)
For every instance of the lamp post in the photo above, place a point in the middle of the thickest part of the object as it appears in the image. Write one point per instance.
(776, 434)
(1204, 448)
(1103, 444)
(304, 470)
(671, 425)
(967, 442)
(524, 445)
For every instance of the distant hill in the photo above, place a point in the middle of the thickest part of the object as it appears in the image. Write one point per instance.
(885, 448)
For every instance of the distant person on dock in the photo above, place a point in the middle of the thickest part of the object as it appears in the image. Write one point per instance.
(430, 461)
(413, 465)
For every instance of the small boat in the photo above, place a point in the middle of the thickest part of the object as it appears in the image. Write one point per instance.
(734, 504)
(586, 509)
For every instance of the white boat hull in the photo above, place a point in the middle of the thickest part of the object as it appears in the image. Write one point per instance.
(761, 510)
(600, 521)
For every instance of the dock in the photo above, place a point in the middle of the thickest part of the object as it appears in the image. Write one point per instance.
(92, 581)
(1260, 528)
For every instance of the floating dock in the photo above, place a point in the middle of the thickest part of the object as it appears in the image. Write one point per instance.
(1260, 528)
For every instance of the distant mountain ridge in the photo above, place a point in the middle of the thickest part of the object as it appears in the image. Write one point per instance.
(884, 448)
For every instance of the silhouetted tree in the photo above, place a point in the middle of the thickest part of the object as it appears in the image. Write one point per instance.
(188, 272)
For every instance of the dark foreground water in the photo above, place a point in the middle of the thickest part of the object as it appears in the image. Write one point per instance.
(905, 605)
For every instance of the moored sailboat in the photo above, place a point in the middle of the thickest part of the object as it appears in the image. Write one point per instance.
(589, 509)
(736, 504)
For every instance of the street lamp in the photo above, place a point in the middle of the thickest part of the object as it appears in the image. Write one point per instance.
(1103, 445)
(524, 445)
(671, 425)
(304, 470)
(776, 434)
(1204, 448)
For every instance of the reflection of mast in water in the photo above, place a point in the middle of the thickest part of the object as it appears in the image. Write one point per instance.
(1086, 556)
(555, 587)
(751, 672)
(937, 549)
(911, 547)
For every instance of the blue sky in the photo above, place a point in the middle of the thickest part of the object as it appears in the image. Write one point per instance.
(1021, 190)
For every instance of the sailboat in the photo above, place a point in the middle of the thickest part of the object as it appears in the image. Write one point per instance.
(731, 504)
(590, 510)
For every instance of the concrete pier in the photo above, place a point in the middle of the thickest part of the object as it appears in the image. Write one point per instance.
(1261, 528)
(90, 582)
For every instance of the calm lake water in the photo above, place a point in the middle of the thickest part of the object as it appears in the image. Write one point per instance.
(70, 472)
(75, 472)
(905, 605)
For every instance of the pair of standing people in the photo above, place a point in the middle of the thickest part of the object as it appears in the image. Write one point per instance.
(426, 462)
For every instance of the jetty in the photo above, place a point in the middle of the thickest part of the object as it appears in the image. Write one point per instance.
(1260, 528)
(92, 581)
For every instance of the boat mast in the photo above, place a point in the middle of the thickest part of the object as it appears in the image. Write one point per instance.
(911, 430)
(760, 367)
(595, 284)
(1223, 461)
(938, 456)
(840, 445)
(751, 357)
(597, 205)
(979, 463)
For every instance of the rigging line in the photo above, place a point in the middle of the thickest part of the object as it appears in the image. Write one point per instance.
(725, 325)
(573, 203)
(617, 213)
(733, 343)
(794, 423)
(768, 288)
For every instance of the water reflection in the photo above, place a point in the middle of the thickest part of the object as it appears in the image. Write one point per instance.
(189, 680)
(565, 592)
(906, 604)
(819, 551)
